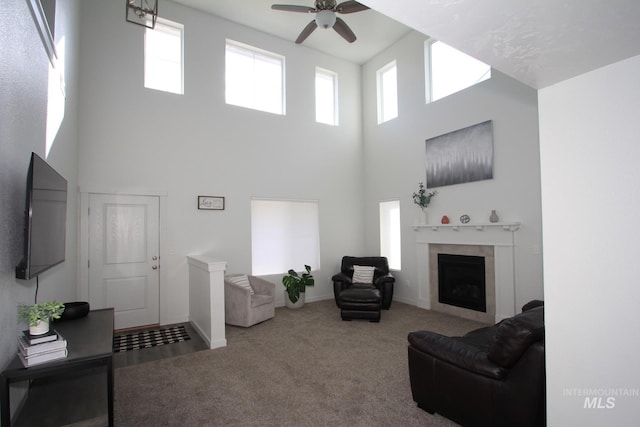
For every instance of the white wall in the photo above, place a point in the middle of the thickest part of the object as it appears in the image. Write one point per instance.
(134, 140)
(395, 161)
(24, 71)
(589, 146)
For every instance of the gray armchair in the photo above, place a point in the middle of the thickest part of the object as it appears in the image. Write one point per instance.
(248, 300)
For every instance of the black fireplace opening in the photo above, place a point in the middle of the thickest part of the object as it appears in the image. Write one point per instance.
(461, 281)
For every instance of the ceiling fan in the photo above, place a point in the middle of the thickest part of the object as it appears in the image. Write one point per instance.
(325, 11)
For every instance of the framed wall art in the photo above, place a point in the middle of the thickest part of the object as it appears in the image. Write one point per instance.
(464, 155)
(212, 203)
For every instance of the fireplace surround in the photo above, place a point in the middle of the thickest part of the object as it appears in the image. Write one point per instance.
(495, 242)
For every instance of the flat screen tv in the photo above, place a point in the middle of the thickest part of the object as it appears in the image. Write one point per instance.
(45, 220)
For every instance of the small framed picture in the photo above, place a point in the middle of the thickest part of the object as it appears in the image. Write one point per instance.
(213, 203)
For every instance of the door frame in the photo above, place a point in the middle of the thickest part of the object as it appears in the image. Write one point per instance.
(83, 243)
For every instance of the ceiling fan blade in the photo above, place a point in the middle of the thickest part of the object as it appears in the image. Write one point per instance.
(343, 29)
(293, 8)
(350, 7)
(307, 31)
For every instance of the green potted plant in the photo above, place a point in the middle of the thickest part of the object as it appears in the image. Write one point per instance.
(295, 286)
(422, 199)
(38, 316)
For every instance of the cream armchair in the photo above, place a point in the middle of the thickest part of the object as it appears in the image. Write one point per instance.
(248, 300)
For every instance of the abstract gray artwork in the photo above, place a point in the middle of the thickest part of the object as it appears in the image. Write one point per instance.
(464, 155)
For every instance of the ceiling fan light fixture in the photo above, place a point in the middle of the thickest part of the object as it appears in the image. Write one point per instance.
(325, 18)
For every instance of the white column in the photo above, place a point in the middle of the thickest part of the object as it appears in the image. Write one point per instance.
(206, 298)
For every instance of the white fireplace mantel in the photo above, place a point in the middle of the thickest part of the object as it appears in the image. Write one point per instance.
(506, 226)
(499, 235)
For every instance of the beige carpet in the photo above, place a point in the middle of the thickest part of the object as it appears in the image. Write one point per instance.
(303, 368)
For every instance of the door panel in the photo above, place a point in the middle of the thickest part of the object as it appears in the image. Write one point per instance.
(124, 257)
(127, 294)
(126, 234)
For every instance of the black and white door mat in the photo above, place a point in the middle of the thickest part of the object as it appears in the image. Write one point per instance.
(150, 338)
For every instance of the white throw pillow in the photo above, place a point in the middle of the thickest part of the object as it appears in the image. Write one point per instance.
(243, 281)
(363, 274)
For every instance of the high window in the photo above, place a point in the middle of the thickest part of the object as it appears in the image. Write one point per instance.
(390, 233)
(326, 97)
(285, 234)
(163, 57)
(387, 78)
(254, 78)
(450, 70)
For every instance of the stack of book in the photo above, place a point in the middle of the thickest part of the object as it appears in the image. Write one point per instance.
(36, 349)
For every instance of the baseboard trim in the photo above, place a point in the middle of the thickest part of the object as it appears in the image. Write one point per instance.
(406, 301)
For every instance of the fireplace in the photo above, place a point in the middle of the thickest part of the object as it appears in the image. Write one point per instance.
(461, 281)
(463, 297)
(494, 242)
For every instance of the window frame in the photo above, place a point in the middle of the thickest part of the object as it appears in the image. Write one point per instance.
(333, 76)
(429, 81)
(255, 53)
(388, 243)
(162, 25)
(306, 229)
(385, 113)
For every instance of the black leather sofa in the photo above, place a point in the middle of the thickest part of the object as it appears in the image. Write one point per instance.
(363, 300)
(492, 376)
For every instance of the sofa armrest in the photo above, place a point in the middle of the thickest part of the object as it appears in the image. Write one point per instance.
(341, 278)
(452, 351)
(386, 278)
(262, 286)
(385, 284)
(532, 304)
(340, 281)
(515, 334)
(236, 295)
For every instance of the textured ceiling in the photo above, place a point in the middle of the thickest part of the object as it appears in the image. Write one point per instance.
(538, 42)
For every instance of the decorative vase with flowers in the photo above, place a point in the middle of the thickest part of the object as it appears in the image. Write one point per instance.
(422, 199)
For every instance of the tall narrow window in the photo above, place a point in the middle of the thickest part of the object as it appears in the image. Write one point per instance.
(326, 97)
(451, 70)
(387, 78)
(390, 233)
(163, 57)
(254, 78)
(285, 234)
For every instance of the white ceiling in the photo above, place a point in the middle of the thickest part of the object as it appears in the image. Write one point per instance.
(374, 31)
(538, 42)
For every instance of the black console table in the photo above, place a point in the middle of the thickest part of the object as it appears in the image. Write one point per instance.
(89, 345)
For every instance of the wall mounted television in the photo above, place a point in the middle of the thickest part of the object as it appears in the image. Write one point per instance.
(45, 220)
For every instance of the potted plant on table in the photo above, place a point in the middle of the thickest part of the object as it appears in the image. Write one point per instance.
(39, 315)
(422, 199)
(295, 286)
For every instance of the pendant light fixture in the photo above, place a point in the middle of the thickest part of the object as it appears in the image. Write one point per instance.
(142, 12)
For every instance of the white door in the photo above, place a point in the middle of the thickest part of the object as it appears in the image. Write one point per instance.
(124, 258)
